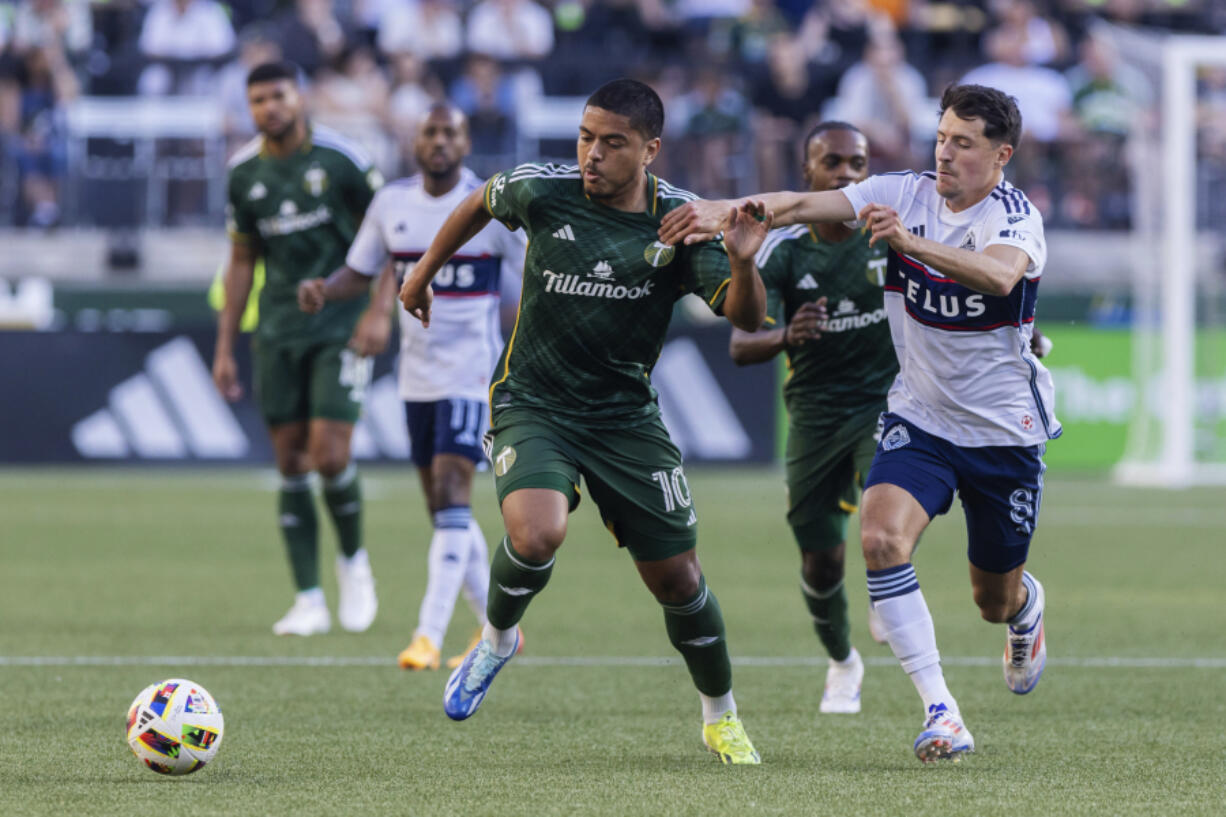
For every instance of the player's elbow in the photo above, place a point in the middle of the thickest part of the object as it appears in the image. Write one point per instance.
(747, 320)
(739, 354)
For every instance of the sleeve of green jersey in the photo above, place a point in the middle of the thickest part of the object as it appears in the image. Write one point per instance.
(240, 224)
(507, 195)
(360, 186)
(774, 270)
(707, 273)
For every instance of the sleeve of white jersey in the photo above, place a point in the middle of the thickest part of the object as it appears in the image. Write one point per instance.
(887, 189)
(1024, 230)
(368, 250)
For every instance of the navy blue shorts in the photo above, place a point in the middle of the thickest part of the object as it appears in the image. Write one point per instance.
(451, 426)
(1001, 487)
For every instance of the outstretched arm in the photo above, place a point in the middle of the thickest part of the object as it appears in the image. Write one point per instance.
(703, 220)
(465, 221)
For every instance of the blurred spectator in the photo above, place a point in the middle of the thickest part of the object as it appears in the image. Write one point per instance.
(835, 32)
(747, 38)
(180, 37)
(429, 29)
(355, 88)
(1044, 41)
(311, 35)
(46, 82)
(1107, 93)
(701, 11)
(880, 95)
(256, 45)
(413, 92)
(1043, 95)
(63, 23)
(786, 95)
(1108, 98)
(716, 116)
(510, 30)
(487, 96)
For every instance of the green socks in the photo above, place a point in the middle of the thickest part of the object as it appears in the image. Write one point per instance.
(300, 529)
(828, 607)
(696, 629)
(514, 581)
(343, 496)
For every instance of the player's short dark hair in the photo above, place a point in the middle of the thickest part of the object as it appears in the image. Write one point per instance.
(272, 71)
(822, 127)
(1002, 121)
(634, 100)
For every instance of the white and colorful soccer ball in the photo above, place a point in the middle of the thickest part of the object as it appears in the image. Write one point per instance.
(175, 726)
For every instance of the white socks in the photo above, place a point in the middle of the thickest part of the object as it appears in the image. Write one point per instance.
(477, 573)
(713, 709)
(449, 551)
(900, 604)
(503, 641)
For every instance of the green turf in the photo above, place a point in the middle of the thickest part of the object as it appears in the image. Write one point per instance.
(177, 563)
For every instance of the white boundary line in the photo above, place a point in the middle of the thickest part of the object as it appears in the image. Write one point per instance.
(1103, 662)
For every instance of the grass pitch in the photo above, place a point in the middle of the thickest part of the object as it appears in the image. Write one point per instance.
(111, 579)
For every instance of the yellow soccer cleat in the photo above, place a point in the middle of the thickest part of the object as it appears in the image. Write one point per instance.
(420, 654)
(455, 660)
(727, 739)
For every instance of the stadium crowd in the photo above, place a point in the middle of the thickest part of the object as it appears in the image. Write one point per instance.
(740, 78)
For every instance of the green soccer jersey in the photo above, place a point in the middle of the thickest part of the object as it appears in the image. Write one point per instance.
(301, 212)
(848, 371)
(598, 293)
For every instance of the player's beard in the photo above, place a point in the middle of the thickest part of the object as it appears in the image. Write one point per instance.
(283, 133)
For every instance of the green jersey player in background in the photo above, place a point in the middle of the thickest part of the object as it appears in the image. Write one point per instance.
(297, 194)
(825, 311)
(572, 394)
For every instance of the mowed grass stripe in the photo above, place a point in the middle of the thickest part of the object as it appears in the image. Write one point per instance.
(598, 661)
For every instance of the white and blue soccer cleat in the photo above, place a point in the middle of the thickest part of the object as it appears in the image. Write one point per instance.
(945, 737)
(470, 681)
(1026, 651)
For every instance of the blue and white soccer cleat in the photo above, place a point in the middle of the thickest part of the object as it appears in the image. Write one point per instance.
(1026, 651)
(945, 737)
(470, 681)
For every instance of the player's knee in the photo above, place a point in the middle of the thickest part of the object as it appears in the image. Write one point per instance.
(676, 586)
(883, 547)
(822, 568)
(537, 540)
(293, 463)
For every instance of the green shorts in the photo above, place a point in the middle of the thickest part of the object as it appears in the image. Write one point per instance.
(825, 472)
(303, 381)
(634, 475)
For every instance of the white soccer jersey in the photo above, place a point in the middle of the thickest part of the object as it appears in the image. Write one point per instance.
(454, 357)
(967, 373)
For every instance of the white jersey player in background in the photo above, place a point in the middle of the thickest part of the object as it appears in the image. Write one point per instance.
(444, 371)
(971, 408)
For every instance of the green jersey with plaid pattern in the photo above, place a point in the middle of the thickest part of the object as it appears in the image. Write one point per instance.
(301, 213)
(849, 369)
(598, 293)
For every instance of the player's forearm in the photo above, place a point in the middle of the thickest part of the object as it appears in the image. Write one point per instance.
(807, 208)
(974, 270)
(747, 348)
(745, 303)
(345, 284)
(465, 221)
(383, 298)
(239, 276)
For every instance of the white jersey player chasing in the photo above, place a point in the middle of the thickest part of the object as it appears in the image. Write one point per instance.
(443, 371)
(971, 409)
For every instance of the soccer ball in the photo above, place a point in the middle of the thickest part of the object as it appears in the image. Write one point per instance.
(175, 726)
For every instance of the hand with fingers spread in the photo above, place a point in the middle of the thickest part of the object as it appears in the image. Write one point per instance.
(416, 299)
(747, 229)
(695, 221)
(884, 224)
(805, 324)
